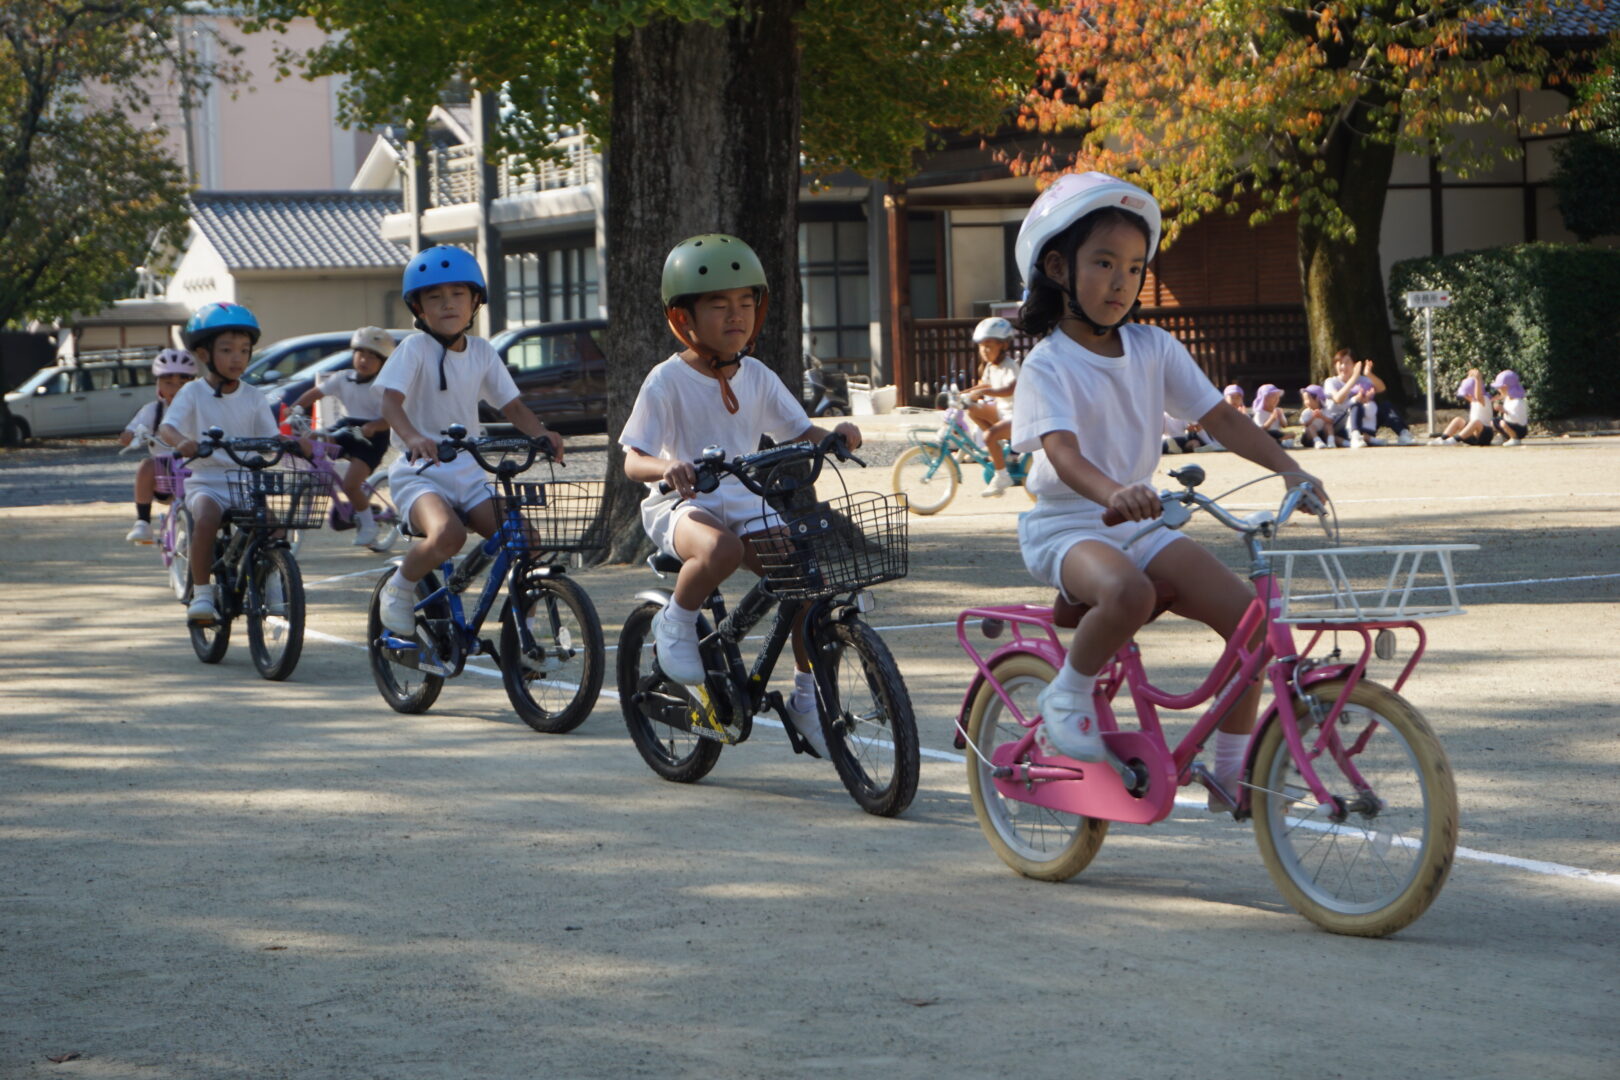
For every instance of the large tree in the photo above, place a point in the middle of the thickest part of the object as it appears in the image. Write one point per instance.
(707, 108)
(1283, 107)
(83, 191)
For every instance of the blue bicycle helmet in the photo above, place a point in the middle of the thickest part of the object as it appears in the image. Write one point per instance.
(211, 320)
(443, 265)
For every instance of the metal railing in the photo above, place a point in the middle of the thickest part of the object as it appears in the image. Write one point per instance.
(453, 172)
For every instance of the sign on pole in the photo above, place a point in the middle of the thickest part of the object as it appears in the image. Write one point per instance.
(1426, 301)
(1431, 298)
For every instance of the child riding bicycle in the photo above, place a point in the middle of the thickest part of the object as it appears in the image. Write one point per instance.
(991, 397)
(363, 434)
(712, 393)
(222, 337)
(435, 379)
(1091, 400)
(171, 369)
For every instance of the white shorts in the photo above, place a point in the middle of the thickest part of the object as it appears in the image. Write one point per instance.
(1049, 532)
(462, 484)
(731, 504)
(216, 489)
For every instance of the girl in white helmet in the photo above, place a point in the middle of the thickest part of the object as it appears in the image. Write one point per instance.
(171, 369)
(990, 400)
(1092, 395)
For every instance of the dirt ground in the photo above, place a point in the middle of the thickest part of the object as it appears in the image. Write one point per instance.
(206, 875)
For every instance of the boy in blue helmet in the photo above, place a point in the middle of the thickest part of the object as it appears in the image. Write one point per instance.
(433, 380)
(221, 336)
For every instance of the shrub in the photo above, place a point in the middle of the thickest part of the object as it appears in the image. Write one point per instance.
(1551, 312)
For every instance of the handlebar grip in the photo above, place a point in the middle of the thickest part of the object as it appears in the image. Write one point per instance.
(664, 488)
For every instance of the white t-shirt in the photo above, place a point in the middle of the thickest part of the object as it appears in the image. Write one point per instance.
(999, 376)
(678, 413)
(1332, 385)
(242, 413)
(1174, 428)
(1480, 411)
(1114, 405)
(149, 416)
(1262, 417)
(1516, 411)
(474, 373)
(363, 401)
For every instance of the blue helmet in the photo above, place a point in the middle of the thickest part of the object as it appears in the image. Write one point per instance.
(442, 265)
(211, 320)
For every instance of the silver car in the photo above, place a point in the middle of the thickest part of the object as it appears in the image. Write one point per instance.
(81, 399)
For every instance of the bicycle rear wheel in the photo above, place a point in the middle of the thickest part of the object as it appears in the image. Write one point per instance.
(1047, 845)
(275, 613)
(210, 642)
(871, 734)
(927, 477)
(657, 711)
(405, 688)
(180, 554)
(1374, 862)
(555, 687)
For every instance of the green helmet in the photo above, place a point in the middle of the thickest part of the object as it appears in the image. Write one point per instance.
(709, 263)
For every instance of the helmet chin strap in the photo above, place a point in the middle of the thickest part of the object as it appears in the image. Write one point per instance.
(1072, 302)
(223, 382)
(444, 342)
(680, 324)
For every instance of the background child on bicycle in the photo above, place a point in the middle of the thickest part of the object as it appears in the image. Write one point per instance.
(990, 400)
(222, 337)
(364, 438)
(171, 369)
(1092, 395)
(712, 393)
(436, 379)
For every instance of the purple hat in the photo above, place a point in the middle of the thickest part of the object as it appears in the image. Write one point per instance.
(1467, 388)
(1509, 381)
(1261, 394)
(1316, 391)
(1232, 388)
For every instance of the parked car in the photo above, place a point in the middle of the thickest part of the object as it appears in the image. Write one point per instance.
(276, 362)
(290, 389)
(80, 399)
(560, 371)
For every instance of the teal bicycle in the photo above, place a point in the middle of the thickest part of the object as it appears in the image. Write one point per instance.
(929, 471)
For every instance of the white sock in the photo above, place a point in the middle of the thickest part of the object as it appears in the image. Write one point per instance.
(400, 581)
(1071, 680)
(804, 690)
(680, 616)
(363, 516)
(1229, 749)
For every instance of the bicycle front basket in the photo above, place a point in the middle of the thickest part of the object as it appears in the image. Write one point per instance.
(282, 498)
(557, 515)
(1388, 583)
(841, 545)
(166, 474)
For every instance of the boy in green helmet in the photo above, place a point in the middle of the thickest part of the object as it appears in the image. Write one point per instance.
(712, 393)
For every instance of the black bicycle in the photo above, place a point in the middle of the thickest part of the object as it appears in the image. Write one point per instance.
(820, 559)
(551, 654)
(254, 572)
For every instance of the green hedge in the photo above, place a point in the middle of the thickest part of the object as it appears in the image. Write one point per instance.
(1551, 312)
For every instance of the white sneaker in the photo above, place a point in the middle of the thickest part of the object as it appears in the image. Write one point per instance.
(1332, 443)
(201, 611)
(999, 483)
(1405, 438)
(807, 722)
(678, 653)
(365, 533)
(397, 606)
(1437, 441)
(141, 533)
(1173, 447)
(1068, 726)
(1513, 442)
(1289, 444)
(1448, 441)
(1373, 440)
(1357, 440)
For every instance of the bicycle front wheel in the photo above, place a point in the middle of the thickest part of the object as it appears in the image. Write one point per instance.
(406, 689)
(275, 613)
(1375, 860)
(871, 734)
(179, 554)
(927, 476)
(555, 685)
(1047, 845)
(659, 712)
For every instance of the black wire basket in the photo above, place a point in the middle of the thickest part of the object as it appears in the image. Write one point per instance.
(557, 515)
(837, 546)
(281, 498)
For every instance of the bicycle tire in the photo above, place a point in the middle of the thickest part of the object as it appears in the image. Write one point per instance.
(180, 554)
(859, 741)
(211, 642)
(1038, 843)
(562, 620)
(674, 753)
(275, 620)
(923, 493)
(410, 693)
(1410, 838)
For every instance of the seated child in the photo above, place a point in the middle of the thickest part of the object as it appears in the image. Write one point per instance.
(1182, 436)
(222, 337)
(1266, 415)
(171, 369)
(1477, 429)
(359, 397)
(435, 379)
(1314, 419)
(712, 393)
(1514, 423)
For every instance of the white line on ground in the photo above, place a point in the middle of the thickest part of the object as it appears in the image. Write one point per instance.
(373, 570)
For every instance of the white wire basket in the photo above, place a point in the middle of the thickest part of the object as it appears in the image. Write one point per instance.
(1367, 584)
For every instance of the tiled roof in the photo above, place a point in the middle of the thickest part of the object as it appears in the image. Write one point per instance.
(1569, 20)
(299, 230)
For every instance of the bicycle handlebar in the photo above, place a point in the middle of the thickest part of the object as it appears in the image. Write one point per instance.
(1302, 494)
(713, 465)
(456, 441)
(253, 446)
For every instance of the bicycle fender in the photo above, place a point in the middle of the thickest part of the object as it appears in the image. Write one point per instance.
(661, 597)
(1032, 646)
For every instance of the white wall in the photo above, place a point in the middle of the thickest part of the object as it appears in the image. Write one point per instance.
(976, 247)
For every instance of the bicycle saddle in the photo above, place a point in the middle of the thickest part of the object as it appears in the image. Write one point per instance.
(1067, 615)
(664, 564)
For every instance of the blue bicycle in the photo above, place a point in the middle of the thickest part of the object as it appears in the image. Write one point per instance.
(928, 471)
(550, 654)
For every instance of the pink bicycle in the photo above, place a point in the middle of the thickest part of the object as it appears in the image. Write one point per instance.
(328, 447)
(1352, 798)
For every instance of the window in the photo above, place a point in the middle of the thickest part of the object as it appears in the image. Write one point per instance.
(833, 273)
(543, 351)
(101, 378)
(552, 284)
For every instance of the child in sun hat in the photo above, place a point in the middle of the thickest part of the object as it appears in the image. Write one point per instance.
(1514, 423)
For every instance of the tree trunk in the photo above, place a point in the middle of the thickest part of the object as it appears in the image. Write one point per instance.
(1345, 303)
(704, 138)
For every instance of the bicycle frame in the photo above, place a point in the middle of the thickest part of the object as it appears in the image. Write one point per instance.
(956, 438)
(323, 461)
